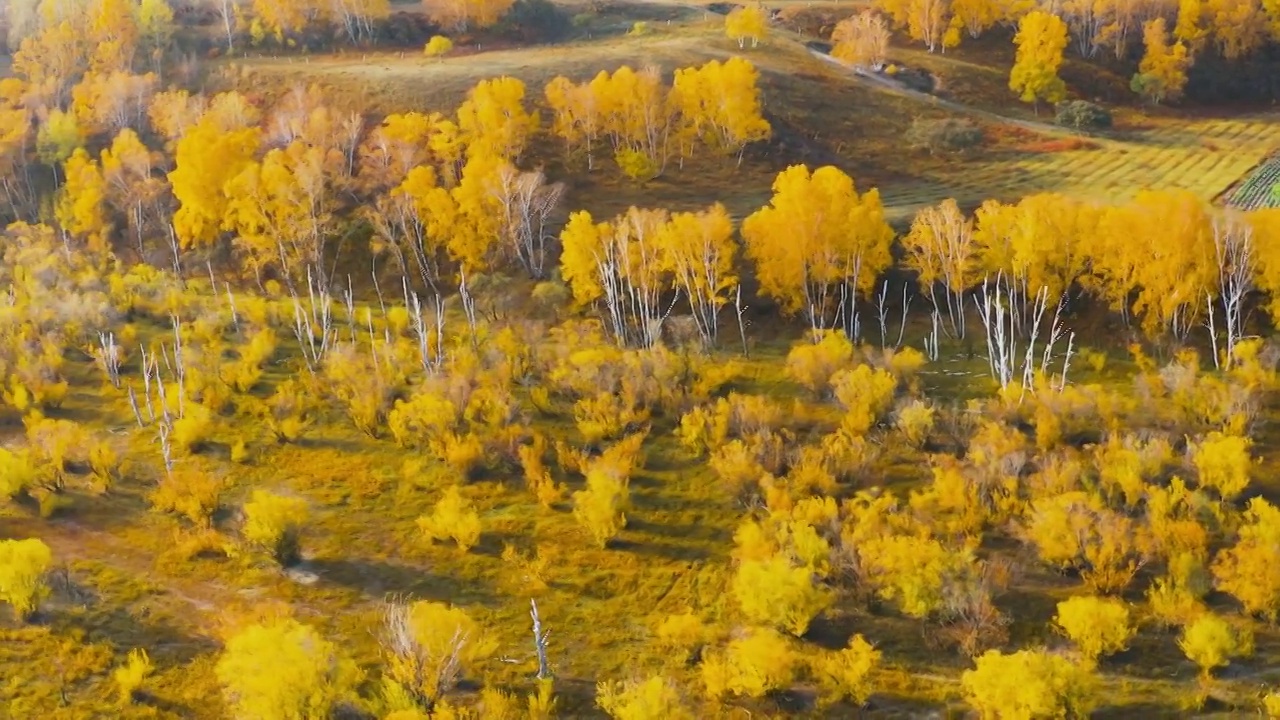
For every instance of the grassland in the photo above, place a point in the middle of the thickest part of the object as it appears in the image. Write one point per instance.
(123, 581)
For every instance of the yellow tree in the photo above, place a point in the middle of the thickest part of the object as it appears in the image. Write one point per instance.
(861, 40)
(462, 15)
(975, 16)
(1041, 39)
(401, 143)
(1176, 262)
(284, 18)
(524, 202)
(172, 113)
(15, 158)
(281, 211)
(155, 26)
(1266, 227)
(413, 221)
(206, 158)
(109, 102)
(576, 110)
(720, 104)
(132, 189)
(940, 248)
(928, 21)
(1239, 28)
(1163, 71)
(494, 121)
(634, 111)
(81, 206)
(818, 244)
(1190, 28)
(620, 264)
(746, 23)
(700, 250)
(358, 18)
(58, 136)
(52, 60)
(113, 32)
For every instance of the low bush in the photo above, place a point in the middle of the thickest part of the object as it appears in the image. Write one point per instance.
(950, 135)
(1082, 115)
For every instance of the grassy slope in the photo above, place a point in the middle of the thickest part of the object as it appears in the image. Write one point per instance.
(820, 115)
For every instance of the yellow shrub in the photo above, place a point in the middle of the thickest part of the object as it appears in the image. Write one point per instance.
(915, 421)
(812, 365)
(437, 46)
(846, 674)
(1211, 642)
(189, 492)
(1173, 605)
(1222, 463)
(23, 564)
(536, 475)
(622, 458)
(599, 507)
(606, 416)
(245, 372)
(425, 416)
(1250, 569)
(1028, 684)
(283, 670)
(905, 363)
(464, 453)
(104, 464)
(1075, 530)
(17, 472)
(774, 592)
(1174, 516)
(1271, 705)
(55, 443)
(430, 646)
(531, 570)
(130, 676)
(913, 572)
(1095, 360)
(1126, 465)
(846, 456)
(698, 431)
(1097, 626)
(954, 504)
(752, 665)
(454, 518)
(654, 698)
(355, 379)
(681, 635)
(809, 474)
(274, 522)
(193, 429)
(866, 394)
(997, 452)
(287, 414)
(736, 468)
(1048, 428)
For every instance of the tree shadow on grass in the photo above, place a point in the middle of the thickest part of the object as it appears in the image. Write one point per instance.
(679, 553)
(379, 579)
(698, 531)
